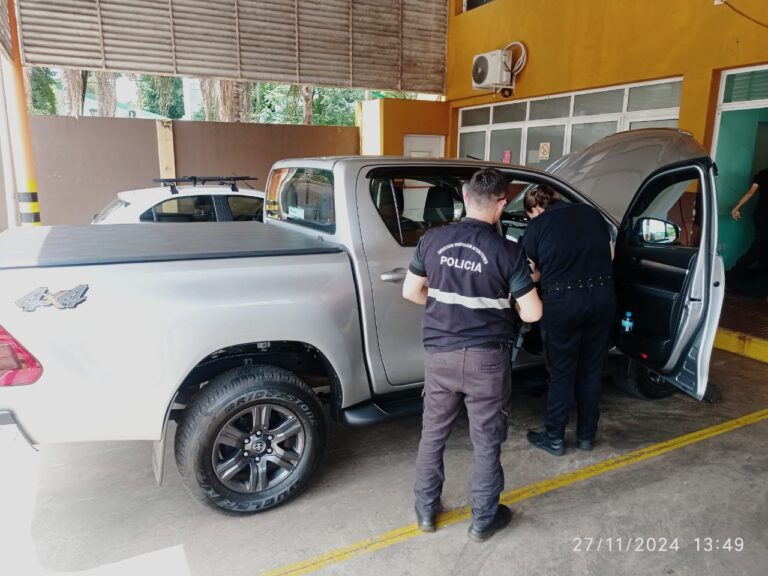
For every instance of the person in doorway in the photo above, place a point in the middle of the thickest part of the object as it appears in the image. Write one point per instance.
(758, 251)
(465, 273)
(570, 250)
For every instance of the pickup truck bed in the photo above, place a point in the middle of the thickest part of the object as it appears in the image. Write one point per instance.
(128, 243)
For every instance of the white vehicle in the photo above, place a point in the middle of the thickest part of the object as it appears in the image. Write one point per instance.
(195, 202)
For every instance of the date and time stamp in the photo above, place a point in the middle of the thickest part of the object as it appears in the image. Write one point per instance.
(661, 544)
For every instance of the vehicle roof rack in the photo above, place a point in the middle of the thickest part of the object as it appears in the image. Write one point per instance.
(202, 180)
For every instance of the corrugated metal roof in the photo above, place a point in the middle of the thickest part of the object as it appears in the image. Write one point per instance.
(5, 29)
(390, 44)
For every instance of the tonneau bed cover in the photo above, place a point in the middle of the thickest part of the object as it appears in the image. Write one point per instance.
(50, 246)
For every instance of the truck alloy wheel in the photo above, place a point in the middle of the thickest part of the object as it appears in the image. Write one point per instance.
(258, 448)
(250, 440)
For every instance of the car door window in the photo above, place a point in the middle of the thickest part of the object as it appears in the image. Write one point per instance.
(409, 207)
(669, 213)
(245, 208)
(182, 209)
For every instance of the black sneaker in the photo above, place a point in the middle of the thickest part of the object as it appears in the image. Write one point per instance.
(500, 521)
(547, 442)
(426, 523)
(585, 443)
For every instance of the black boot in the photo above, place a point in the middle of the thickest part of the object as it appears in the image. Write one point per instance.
(547, 441)
(426, 523)
(500, 521)
(585, 443)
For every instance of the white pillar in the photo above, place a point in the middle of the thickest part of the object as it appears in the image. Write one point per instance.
(6, 156)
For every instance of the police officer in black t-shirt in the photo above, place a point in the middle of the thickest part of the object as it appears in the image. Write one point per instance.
(465, 274)
(570, 250)
(758, 251)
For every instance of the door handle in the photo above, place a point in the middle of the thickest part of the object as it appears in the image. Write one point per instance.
(396, 275)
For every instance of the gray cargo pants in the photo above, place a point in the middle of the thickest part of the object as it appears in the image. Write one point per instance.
(480, 379)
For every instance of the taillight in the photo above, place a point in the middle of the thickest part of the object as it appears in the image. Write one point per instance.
(17, 365)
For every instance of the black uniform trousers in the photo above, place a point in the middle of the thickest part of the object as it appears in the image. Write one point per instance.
(758, 250)
(576, 327)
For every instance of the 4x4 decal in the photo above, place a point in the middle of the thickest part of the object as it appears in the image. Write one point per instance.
(63, 300)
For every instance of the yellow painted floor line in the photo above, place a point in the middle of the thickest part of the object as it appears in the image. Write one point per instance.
(523, 493)
(742, 344)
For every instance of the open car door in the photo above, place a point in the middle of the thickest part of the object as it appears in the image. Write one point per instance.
(659, 185)
(669, 278)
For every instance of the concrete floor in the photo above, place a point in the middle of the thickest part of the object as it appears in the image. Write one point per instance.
(94, 509)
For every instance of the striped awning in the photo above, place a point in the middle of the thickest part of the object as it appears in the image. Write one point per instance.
(5, 29)
(388, 44)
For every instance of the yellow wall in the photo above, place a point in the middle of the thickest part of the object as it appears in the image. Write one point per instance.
(582, 44)
(401, 117)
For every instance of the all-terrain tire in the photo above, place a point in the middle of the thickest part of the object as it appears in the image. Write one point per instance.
(228, 401)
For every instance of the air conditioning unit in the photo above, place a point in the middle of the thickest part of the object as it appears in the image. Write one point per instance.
(492, 70)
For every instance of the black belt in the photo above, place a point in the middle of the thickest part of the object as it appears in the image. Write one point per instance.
(490, 346)
(583, 284)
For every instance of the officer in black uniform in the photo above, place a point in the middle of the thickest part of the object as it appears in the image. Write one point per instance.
(465, 274)
(758, 250)
(569, 246)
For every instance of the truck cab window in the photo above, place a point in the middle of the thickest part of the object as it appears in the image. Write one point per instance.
(409, 207)
(303, 196)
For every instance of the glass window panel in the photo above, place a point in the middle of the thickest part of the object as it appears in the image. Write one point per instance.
(476, 117)
(655, 96)
(505, 145)
(746, 86)
(303, 196)
(582, 135)
(471, 4)
(245, 208)
(551, 108)
(608, 102)
(409, 207)
(509, 113)
(183, 209)
(472, 145)
(653, 124)
(666, 212)
(544, 146)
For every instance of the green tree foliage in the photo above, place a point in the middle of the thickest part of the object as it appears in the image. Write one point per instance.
(42, 85)
(153, 101)
(281, 104)
(335, 106)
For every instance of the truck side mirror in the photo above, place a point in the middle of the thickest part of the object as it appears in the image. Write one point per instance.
(655, 231)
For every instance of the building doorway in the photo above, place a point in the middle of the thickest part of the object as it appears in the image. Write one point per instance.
(740, 148)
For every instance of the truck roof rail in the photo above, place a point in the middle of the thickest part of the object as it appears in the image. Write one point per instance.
(202, 180)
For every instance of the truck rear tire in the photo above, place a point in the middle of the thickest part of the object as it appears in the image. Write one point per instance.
(250, 440)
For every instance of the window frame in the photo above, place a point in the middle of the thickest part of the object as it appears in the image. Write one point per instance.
(623, 119)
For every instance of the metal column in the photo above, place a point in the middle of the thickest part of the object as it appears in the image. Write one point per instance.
(18, 124)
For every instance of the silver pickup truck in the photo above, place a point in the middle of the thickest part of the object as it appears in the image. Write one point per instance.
(249, 335)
